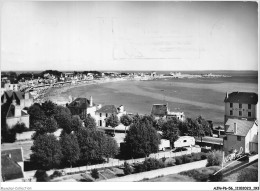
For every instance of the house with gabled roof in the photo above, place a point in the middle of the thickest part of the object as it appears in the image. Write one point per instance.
(162, 111)
(241, 134)
(82, 107)
(107, 110)
(12, 165)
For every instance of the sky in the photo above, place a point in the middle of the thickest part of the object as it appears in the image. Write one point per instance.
(129, 35)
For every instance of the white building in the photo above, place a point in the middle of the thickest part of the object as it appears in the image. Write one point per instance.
(162, 111)
(106, 111)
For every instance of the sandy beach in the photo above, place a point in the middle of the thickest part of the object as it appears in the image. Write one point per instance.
(193, 96)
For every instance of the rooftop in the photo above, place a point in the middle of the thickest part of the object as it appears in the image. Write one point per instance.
(10, 169)
(242, 97)
(159, 110)
(243, 126)
(80, 103)
(16, 154)
(108, 109)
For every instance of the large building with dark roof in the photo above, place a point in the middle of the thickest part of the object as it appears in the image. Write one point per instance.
(82, 107)
(241, 105)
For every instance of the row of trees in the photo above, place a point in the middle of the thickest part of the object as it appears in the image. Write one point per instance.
(78, 143)
(142, 138)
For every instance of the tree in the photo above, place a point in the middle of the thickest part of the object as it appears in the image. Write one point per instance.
(70, 148)
(41, 176)
(49, 108)
(95, 145)
(94, 173)
(63, 118)
(90, 150)
(112, 121)
(19, 127)
(50, 125)
(36, 114)
(206, 129)
(215, 158)
(126, 120)
(141, 139)
(170, 130)
(46, 151)
(90, 122)
(76, 123)
(159, 124)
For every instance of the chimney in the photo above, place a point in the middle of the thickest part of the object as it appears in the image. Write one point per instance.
(235, 128)
(226, 95)
(91, 101)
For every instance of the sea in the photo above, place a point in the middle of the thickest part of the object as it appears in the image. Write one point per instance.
(195, 97)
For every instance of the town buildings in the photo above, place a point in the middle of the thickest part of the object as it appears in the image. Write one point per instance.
(240, 120)
(162, 111)
(13, 107)
(106, 111)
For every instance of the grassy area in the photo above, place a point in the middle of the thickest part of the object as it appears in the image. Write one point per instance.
(233, 177)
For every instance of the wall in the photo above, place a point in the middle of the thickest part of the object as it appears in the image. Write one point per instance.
(236, 110)
(232, 142)
(24, 136)
(159, 172)
(11, 121)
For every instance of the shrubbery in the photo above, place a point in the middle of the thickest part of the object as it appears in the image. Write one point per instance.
(216, 178)
(178, 160)
(214, 158)
(55, 174)
(127, 169)
(94, 173)
(41, 176)
(248, 175)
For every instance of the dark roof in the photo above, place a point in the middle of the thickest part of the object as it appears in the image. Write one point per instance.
(159, 110)
(18, 95)
(11, 110)
(80, 103)
(107, 109)
(16, 154)
(242, 97)
(10, 169)
(4, 109)
(243, 126)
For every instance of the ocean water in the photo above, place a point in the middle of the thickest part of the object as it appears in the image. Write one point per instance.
(195, 97)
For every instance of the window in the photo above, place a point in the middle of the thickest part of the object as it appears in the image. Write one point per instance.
(231, 112)
(100, 114)
(106, 114)
(249, 114)
(240, 105)
(238, 138)
(184, 141)
(249, 106)
(240, 113)
(231, 105)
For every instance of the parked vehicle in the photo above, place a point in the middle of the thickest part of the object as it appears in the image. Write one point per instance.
(184, 141)
(164, 144)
